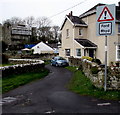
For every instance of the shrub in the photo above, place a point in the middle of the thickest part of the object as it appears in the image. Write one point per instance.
(88, 58)
(96, 61)
(94, 70)
(4, 59)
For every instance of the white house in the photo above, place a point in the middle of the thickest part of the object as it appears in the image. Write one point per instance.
(42, 48)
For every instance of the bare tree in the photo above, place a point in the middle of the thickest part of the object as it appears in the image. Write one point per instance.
(55, 32)
(43, 24)
(30, 21)
(14, 20)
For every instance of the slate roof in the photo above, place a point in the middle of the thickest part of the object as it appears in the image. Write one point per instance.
(86, 43)
(93, 11)
(118, 13)
(76, 20)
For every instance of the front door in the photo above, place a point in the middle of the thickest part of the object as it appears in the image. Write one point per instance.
(91, 53)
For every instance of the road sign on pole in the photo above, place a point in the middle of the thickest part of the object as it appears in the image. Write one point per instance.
(105, 20)
(105, 26)
(105, 15)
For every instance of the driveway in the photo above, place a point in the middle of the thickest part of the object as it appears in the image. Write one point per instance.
(50, 95)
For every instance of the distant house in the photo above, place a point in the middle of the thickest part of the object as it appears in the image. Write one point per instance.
(79, 37)
(54, 46)
(42, 48)
(29, 45)
(17, 35)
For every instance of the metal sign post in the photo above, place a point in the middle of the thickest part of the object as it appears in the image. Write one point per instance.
(105, 26)
(105, 79)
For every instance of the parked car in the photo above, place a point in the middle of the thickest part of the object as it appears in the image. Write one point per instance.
(59, 61)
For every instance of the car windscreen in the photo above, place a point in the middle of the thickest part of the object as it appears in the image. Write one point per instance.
(61, 58)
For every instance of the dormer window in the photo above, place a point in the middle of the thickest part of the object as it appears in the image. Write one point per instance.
(80, 32)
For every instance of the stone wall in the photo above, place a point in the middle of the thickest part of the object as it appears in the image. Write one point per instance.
(96, 72)
(32, 66)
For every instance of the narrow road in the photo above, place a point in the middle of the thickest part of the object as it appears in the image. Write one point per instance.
(50, 95)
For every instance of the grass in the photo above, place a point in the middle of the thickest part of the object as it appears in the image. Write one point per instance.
(15, 81)
(83, 86)
(7, 64)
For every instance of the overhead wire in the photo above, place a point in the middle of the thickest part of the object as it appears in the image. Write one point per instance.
(67, 9)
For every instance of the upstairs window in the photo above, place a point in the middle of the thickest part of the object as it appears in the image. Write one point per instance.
(67, 52)
(118, 52)
(80, 32)
(118, 28)
(67, 33)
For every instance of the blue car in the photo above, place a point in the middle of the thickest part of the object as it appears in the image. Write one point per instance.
(59, 61)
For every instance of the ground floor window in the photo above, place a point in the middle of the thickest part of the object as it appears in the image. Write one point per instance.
(67, 52)
(78, 52)
(118, 52)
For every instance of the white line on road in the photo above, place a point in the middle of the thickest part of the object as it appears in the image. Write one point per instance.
(102, 104)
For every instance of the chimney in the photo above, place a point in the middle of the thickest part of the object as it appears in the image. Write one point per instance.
(118, 5)
(71, 13)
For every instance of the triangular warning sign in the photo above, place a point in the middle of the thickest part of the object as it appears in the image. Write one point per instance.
(105, 15)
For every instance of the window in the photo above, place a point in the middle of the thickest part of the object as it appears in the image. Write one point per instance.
(118, 52)
(80, 31)
(118, 28)
(78, 52)
(67, 32)
(67, 52)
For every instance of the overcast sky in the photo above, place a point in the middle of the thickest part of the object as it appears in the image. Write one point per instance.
(48, 8)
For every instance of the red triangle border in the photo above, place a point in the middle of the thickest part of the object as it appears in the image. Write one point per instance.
(102, 14)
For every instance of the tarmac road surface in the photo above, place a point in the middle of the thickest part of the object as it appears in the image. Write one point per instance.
(50, 95)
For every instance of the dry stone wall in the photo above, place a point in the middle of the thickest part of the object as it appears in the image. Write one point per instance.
(96, 72)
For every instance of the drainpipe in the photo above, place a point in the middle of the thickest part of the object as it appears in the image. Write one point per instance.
(73, 41)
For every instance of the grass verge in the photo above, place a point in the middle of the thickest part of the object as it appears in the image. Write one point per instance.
(83, 86)
(7, 64)
(15, 81)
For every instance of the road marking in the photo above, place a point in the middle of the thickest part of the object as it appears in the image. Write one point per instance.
(48, 112)
(7, 100)
(103, 104)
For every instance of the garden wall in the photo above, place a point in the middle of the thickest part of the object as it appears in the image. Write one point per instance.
(95, 73)
(28, 66)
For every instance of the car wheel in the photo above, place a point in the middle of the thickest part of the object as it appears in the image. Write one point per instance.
(56, 65)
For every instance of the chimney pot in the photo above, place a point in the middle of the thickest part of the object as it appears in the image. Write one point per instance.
(71, 13)
(119, 4)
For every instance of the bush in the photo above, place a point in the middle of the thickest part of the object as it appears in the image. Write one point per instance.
(94, 70)
(88, 58)
(96, 61)
(4, 59)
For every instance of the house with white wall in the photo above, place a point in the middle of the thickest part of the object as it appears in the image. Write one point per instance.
(79, 37)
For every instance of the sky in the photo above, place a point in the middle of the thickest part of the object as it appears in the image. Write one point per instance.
(55, 10)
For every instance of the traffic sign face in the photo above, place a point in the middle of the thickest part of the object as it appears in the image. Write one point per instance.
(105, 20)
(105, 15)
(105, 28)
